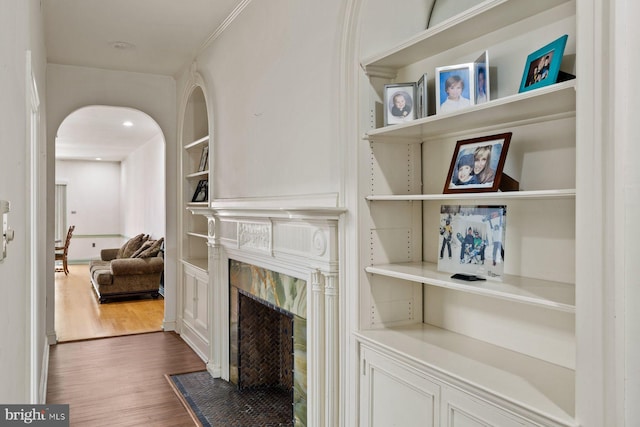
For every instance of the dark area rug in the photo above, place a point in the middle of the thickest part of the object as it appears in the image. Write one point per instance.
(217, 403)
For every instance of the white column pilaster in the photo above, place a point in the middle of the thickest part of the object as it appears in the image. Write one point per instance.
(316, 352)
(332, 356)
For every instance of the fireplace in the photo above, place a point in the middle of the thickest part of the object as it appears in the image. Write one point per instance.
(267, 340)
(278, 260)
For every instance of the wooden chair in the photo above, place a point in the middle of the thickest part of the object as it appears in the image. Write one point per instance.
(62, 251)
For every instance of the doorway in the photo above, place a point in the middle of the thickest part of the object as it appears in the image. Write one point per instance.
(111, 163)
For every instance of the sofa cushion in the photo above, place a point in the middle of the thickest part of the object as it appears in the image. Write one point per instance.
(102, 277)
(150, 248)
(132, 245)
(136, 266)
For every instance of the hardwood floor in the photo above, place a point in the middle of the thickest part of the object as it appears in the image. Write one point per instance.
(121, 381)
(78, 315)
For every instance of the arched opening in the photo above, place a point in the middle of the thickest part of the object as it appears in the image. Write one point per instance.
(110, 172)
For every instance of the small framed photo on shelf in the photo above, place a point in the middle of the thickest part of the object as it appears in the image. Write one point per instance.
(422, 103)
(204, 159)
(202, 191)
(455, 87)
(543, 66)
(477, 164)
(399, 102)
(471, 240)
(481, 77)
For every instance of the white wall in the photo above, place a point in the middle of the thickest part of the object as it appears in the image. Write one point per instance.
(22, 330)
(70, 88)
(142, 190)
(272, 82)
(93, 205)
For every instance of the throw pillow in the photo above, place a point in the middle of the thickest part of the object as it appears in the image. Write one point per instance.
(132, 245)
(149, 249)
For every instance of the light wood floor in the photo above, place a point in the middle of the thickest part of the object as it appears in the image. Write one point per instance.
(79, 316)
(121, 381)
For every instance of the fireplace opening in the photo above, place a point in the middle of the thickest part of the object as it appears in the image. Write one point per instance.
(268, 337)
(265, 346)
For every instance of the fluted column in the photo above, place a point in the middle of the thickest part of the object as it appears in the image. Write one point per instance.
(332, 355)
(315, 352)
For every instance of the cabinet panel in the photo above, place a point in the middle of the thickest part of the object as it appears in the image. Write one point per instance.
(394, 395)
(464, 410)
(195, 311)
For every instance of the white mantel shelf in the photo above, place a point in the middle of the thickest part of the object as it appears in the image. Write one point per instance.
(275, 212)
(324, 206)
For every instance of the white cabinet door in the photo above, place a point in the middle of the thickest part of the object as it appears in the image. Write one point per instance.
(394, 395)
(195, 309)
(460, 409)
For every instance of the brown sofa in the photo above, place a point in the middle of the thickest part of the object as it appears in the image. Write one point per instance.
(134, 269)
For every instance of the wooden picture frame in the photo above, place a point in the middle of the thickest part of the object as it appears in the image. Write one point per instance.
(204, 159)
(477, 163)
(399, 103)
(543, 66)
(202, 191)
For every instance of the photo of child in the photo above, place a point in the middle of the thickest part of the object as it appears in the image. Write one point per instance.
(456, 88)
(399, 100)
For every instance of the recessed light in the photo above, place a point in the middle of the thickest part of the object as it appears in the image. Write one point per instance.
(98, 158)
(128, 123)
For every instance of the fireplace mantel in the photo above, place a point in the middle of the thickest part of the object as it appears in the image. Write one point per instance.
(297, 236)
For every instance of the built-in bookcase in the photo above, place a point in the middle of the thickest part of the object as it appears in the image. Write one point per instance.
(509, 343)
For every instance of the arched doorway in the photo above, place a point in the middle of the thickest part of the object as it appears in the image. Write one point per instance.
(111, 160)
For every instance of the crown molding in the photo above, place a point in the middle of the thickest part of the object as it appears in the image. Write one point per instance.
(232, 16)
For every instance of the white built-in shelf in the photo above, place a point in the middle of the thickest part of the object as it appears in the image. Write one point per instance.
(569, 193)
(535, 106)
(200, 263)
(196, 175)
(197, 143)
(201, 234)
(195, 207)
(553, 295)
(475, 22)
(522, 380)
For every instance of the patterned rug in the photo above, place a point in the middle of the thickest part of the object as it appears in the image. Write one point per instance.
(216, 403)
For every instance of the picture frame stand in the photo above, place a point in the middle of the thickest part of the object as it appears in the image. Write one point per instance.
(508, 184)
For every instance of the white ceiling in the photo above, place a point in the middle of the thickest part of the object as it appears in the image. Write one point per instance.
(146, 36)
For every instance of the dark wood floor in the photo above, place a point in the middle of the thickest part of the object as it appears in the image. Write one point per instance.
(121, 381)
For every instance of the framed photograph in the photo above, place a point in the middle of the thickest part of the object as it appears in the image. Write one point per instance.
(455, 87)
(204, 158)
(477, 164)
(481, 77)
(471, 240)
(202, 191)
(543, 65)
(399, 101)
(422, 104)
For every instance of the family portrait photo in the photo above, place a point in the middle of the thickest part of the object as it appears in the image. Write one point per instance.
(543, 66)
(472, 240)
